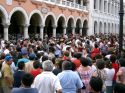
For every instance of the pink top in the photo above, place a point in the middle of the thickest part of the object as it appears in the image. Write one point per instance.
(121, 77)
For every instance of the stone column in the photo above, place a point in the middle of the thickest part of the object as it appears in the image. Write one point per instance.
(102, 6)
(64, 30)
(74, 1)
(6, 26)
(41, 31)
(82, 2)
(81, 30)
(98, 3)
(73, 30)
(54, 30)
(26, 31)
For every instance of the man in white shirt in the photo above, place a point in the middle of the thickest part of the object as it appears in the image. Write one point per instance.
(47, 82)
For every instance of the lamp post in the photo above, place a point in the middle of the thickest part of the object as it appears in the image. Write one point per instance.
(121, 13)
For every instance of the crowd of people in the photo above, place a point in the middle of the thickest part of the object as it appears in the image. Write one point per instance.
(68, 64)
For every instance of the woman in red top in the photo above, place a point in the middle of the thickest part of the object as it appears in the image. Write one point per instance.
(37, 70)
(95, 51)
(115, 65)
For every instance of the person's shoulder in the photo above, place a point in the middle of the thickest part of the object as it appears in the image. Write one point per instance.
(33, 90)
(17, 90)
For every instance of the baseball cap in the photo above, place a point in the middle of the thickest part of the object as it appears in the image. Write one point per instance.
(7, 58)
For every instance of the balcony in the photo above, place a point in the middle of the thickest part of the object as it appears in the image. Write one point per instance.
(63, 3)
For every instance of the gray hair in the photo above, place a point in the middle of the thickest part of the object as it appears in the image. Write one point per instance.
(47, 65)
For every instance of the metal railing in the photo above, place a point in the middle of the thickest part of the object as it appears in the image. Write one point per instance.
(64, 3)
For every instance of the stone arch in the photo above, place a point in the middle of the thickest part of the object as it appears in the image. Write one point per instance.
(108, 27)
(78, 25)
(36, 21)
(112, 28)
(50, 24)
(63, 16)
(105, 28)
(70, 25)
(95, 27)
(3, 21)
(4, 15)
(61, 25)
(53, 16)
(22, 11)
(85, 27)
(19, 21)
(100, 27)
(71, 17)
(40, 15)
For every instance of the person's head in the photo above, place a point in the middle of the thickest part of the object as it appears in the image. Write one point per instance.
(77, 55)
(98, 56)
(113, 58)
(119, 88)
(100, 64)
(73, 66)
(122, 62)
(66, 65)
(21, 65)
(47, 65)
(108, 64)
(9, 60)
(84, 62)
(66, 53)
(96, 84)
(96, 45)
(44, 58)
(36, 64)
(32, 56)
(27, 80)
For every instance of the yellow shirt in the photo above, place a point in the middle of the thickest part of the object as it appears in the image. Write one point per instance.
(7, 73)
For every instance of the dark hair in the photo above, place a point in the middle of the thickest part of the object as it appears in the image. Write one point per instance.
(44, 58)
(96, 83)
(36, 64)
(73, 66)
(21, 65)
(77, 55)
(84, 61)
(96, 45)
(108, 64)
(66, 53)
(54, 60)
(113, 58)
(27, 79)
(100, 64)
(119, 88)
(98, 56)
(122, 62)
(66, 65)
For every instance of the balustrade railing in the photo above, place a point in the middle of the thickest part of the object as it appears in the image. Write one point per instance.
(62, 3)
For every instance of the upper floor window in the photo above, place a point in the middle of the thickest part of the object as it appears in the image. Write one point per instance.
(95, 4)
(108, 7)
(104, 6)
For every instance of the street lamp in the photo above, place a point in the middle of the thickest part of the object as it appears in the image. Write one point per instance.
(121, 13)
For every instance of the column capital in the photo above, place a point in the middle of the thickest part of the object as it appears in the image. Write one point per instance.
(80, 27)
(64, 27)
(6, 25)
(26, 25)
(73, 27)
(42, 26)
(54, 26)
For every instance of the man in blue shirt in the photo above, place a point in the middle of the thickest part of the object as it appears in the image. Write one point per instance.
(70, 81)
